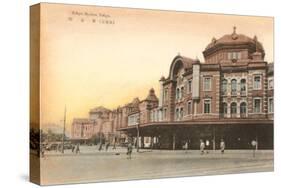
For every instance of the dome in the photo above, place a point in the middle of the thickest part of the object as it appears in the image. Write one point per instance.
(235, 39)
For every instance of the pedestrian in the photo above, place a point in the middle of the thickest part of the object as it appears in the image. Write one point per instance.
(186, 146)
(207, 146)
(100, 147)
(73, 148)
(114, 145)
(77, 149)
(202, 146)
(42, 151)
(222, 146)
(129, 150)
(254, 146)
(107, 146)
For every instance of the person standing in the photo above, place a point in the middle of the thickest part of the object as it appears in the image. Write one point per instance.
(202, 146)
(186, 146)
(254, 146)
(129, 150)
(222, 146)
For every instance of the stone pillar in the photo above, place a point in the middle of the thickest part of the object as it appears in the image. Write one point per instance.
(238, 110)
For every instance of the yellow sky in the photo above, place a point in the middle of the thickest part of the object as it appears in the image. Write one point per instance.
(86, 64)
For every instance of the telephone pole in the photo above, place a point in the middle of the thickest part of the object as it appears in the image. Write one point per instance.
(63, 135)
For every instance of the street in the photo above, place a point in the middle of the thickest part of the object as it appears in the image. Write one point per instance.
(92, 165)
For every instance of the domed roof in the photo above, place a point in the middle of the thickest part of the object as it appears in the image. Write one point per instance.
(181, 62)
(234, 38)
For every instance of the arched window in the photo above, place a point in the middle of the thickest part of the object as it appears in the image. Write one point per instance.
(177, 114)
(181, 92)
(181, 113)
(233, 87)
(224, 109)
(243, 109)
(224, 87)
(233, 109)
(243, 87)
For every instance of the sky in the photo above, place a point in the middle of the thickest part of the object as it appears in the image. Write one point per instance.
(86, 63)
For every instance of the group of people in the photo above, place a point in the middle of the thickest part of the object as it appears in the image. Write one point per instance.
(205, 146)
(75, 148)
(107, 144)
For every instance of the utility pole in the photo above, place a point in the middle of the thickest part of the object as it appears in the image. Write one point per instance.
(138, 133)
(63, 135)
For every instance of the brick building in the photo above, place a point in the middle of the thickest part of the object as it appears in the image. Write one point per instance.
(229, 96)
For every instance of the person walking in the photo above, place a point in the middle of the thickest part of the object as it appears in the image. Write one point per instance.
(73, 148)
(77, 149)
(222, 146)
(129, 150)
(207, 146)
(107, 146)
(202, 146)
(100, 147)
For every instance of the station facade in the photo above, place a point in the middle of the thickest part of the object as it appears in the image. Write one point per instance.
(229, 97)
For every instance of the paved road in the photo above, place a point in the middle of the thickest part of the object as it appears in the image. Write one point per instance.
(93, 166)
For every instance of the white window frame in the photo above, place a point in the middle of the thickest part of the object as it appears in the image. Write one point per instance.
(204, 83)
(260, 85)
(260, 108)
(210, 108)
(272, 110)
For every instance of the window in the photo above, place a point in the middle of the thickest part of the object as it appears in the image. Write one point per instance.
(270, 105)
(181, 113)
(178, 93)
(189, 86)
(233, 87)
(257, 105)
(270, 83)
(257, 82)
(181, 93)
(224, 87)
(243, 109)
(224, 109)
(177, 114)
(207, 106)
(234, 55)
(207, 84)
(189, 108)
(165, 95)
(233, 109)
(243, 87)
